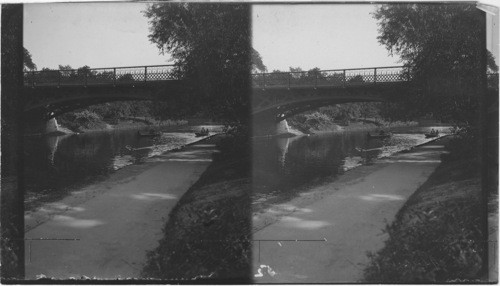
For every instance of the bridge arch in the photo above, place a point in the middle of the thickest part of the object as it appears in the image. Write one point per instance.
(50, 101)
(282, 103)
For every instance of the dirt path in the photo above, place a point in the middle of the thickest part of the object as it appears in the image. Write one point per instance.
(341, 223)
(114, 222)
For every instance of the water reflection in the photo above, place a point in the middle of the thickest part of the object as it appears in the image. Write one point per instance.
(54, 165)
(282, 166)
(283, 144)
(52, 144)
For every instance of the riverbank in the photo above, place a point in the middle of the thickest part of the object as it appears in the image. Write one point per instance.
(207, 237)
(317, 123)
(117, 124)
(107, 227)
(338, 222)
(437, 236)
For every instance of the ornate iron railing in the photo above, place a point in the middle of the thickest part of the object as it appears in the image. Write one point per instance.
(341, 77)
(137, 74)
(99, 76)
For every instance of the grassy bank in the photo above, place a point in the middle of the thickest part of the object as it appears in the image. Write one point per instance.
(87, 121)
(437, 236)
(207, 236)
(317, 122)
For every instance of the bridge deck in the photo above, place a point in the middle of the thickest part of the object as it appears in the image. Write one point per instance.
(62, 90)
(128, 75)
(100, 76)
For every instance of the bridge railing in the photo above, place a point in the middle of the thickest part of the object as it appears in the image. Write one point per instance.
(318, 78)
(99, 76)
(137, 74)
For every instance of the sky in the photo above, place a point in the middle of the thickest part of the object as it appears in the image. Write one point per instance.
(328, 36)
(115, 34)
(93, 34)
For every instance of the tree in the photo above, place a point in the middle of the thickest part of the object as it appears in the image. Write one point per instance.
(315, 73)
(211, 47)
(28, 61)
(66, 70)
(442, 48)
(257, 63)
(126, 78)
(356, 79)
(84, 72)
(297, 72)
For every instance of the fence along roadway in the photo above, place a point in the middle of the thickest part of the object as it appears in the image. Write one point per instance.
(139, 74)
(145, 74)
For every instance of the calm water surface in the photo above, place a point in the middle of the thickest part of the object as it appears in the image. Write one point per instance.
(282, 166)
(56, 165)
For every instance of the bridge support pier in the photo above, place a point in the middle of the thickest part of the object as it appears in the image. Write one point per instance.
(267, 126)
(282, 128)
(51, 126)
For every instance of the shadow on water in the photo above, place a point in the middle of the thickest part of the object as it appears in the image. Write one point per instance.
(284, 166)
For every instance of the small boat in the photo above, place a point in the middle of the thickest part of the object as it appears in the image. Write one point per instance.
(203, 132)
(200, 134)
(150, 133)
(378, 136)
(431, 135)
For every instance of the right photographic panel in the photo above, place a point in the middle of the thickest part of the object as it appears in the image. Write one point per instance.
(375, 143)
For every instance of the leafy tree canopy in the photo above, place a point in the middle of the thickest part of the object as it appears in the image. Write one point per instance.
(28, 61)
(211, 46)
(257, 63)
(443, 49)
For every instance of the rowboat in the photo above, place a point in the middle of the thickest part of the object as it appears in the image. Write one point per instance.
(200, 134)
(431, 135)
(203, 132)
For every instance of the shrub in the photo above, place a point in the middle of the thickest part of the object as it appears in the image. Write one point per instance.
(78, 120)
(440, 246)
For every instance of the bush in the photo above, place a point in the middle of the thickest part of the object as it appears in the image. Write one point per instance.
(465, 145)
(235, 145)
(442, 246)
(208, 236)
(78, 120)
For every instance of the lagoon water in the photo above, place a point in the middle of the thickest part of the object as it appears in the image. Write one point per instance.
(57, 165)
(283, 167)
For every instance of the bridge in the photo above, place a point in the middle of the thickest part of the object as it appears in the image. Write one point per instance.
(49, 93)
(276, 96)
(284, 94)
(52, 92)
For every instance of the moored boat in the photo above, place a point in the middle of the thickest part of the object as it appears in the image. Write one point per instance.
(200, 134)
(203, 132)
(431, 135)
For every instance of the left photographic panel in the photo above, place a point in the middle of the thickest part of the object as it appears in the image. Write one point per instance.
(129, 142)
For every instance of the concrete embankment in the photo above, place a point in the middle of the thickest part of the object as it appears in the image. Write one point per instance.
(104, 230)
(323, 236)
